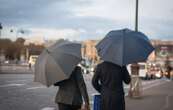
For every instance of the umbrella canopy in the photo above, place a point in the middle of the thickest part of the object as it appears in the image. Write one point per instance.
(57, 62)
(124, 46)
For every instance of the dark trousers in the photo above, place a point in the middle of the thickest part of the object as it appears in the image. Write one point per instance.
(68, 107)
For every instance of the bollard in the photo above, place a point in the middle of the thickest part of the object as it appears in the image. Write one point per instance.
(135, 90)
(135, 87)
(97, 102)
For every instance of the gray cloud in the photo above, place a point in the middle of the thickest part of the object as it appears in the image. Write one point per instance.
(37, 12)
(18, 11)
(60, 14)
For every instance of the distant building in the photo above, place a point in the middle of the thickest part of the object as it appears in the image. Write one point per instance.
(163, 50)
(89, 50)
(33, 46)
(35, 40)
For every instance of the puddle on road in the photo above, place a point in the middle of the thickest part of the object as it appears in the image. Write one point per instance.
(48, 108)
(31, 88)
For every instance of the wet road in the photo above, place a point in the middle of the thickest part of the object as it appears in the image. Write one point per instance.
(19, 92)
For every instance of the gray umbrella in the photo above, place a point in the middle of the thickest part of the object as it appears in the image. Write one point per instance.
(124, 46)
(57, 62)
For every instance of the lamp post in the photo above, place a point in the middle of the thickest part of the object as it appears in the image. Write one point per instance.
(135, 66)
(136, 16)
(135, 85)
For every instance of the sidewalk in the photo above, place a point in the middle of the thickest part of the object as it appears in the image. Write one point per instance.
(156, 98)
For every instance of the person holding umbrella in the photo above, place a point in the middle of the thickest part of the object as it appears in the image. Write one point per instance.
(57, 65)
(71, 91)
(117, 49)
(108, 80)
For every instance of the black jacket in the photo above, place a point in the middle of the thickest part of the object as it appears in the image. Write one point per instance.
(73, 89)
(108, 80)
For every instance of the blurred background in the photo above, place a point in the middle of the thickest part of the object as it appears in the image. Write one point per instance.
(27, 27)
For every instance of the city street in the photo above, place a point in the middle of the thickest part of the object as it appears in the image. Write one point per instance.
(19, 92)
(42, 43)
(158, 97)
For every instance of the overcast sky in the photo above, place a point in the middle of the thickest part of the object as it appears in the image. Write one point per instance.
(84, 19)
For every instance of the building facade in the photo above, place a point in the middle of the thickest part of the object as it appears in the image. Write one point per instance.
(163, 50)
(89, 51)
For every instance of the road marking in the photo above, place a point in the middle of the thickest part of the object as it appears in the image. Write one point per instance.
(9, 85)
(16, 81)
(48, 108)
(31, 88)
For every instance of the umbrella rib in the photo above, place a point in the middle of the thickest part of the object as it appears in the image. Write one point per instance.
(46, 77)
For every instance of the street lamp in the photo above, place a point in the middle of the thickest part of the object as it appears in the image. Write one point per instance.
(136, 16)
(135, 86)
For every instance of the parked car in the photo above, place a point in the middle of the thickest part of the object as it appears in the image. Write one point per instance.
(154, 71)
(6, 61)
(32, 60)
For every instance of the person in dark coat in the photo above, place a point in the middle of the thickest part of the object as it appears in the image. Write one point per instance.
(72, 91)
(108, 80)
